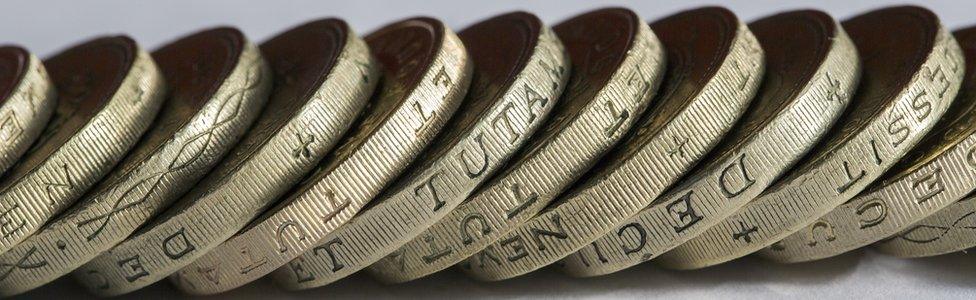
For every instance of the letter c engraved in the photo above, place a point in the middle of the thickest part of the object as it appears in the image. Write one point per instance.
(280, 234)
(466, 237)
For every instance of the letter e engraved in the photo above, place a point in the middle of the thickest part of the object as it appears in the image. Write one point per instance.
(727, 181)
(23, 263)
(898, 131)
(177, 245)
(684, 209)
(465, 230)
(879, 207)
(300, 234)
(428, 185)
(330, 250)
(297, 267)
(534, 98)
(827, 229)
(527, 200)
(504, 118)
(928, 186)
(442, 78)
(475, 172)
(938, 76)
(253, 263)
(8, 225)
(619, 117)
(558, 232)
(435, 253)
(641, 237)
(518, 248)
(132, 268)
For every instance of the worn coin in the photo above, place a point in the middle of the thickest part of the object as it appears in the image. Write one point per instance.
(937, 172)
(517, 80)
(698, 105)
(802, 95)
(588, 120)
(218, 84)
(109, 91)
(949, 229)
(27, 101)
(426, 74)
(323, 76)
(894, 107)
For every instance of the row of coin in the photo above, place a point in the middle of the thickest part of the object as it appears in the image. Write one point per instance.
(593, 146)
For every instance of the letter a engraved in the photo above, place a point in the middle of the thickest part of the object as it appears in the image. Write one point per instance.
(725, 182)
(474, 172)
(534, 98)
(687, 216)
(619, 117)
(177, 245)
(133, 269)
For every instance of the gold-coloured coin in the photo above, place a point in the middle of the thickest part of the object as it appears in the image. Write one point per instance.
(27, 101)
(804, 74)
(894, 107)
(698, 105)
(323, 77)
(588, 120)
(218, 84)
(519, 73)
(950, 228)
(109, 91)
(427, 72)
(936, 173)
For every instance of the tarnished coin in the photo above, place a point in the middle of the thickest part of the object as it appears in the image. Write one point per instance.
(895, 105)
(218, 84)
(801, 77)
(937, 172)
(323, 76)
(516, 83)
(27, 101)
(950, 229)
(426, 74)
(698, 104)
(588, 120)
(109, 91)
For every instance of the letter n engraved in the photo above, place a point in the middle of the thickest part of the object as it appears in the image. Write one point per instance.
(428, 186)
(527, 200)
(557, 232)
(928, 186)
(735, 179)
(684, 209)
(177, 245)
(475, 171)
(330, 250)
(638, 229)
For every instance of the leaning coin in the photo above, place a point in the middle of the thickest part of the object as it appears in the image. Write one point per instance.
(698, 105)
(894, 107)
(588, 120)
(218, 83)
(515, 85)
(27, 101)
(427, 73)
(109, 91)
(803, 52)
(937, 172)
(950, 228)
(323, 76)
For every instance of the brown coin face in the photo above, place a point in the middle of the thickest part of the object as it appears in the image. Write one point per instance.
(13, 66)
(86, 76)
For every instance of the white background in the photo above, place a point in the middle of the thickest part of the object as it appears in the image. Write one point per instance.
(45, 27)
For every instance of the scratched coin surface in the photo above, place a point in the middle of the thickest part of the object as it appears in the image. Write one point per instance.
(698, 103)
(426, 74)
(950, 228)
(802, 57)
(937, 172)
(27, 101)
(109, 91)
(516, 83)
(895, 105)
(323, 77)
(587, 121)
(218, 84)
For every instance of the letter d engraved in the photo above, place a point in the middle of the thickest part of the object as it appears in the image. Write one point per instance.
(727, 181)
(177, 245)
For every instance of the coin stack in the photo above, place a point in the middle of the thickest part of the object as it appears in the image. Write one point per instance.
(593, 145)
